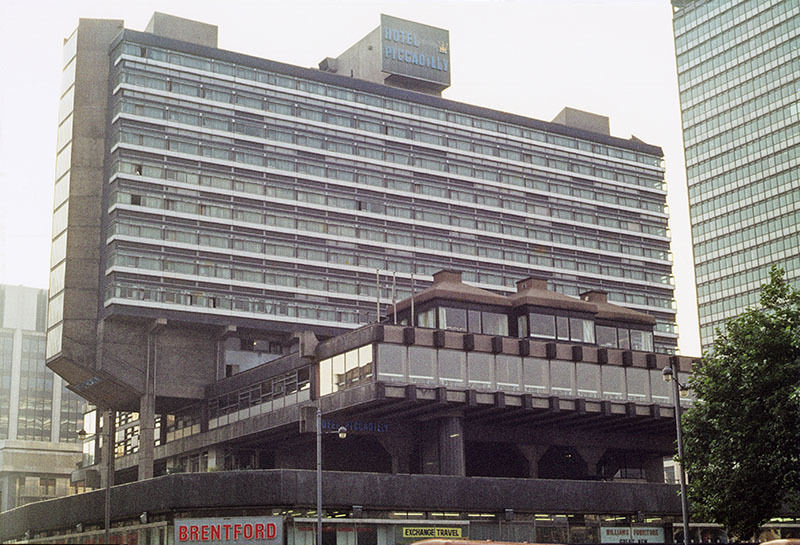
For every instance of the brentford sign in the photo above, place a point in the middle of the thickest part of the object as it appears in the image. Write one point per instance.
(239, 530)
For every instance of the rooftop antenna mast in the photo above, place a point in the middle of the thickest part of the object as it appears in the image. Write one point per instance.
(377, 295)
(394, 295)
(412, 321)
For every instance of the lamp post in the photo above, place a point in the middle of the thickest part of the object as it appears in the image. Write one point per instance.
(111, 432)
(342, 432)
(670, 374)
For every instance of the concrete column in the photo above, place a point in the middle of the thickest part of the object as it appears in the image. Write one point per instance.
(430, 455)
(591, 455)
(532, 453)
(107, 452)
(451, 446)
(400, 450)
(146, 435)
(162, 430)
(222, 341)
(147, 404)
(215, 458)
(111, 426)
(400, 461)
(6, 488)
(654, 469)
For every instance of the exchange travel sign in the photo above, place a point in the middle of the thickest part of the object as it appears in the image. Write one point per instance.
(414, 50)
(431, 531)
(236, 530)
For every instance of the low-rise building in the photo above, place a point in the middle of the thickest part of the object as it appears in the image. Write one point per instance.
(535, 416)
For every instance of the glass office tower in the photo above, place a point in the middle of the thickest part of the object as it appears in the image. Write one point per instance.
(739, 79)
(39, 416)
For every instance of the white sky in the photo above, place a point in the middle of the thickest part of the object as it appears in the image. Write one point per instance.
(528, 57)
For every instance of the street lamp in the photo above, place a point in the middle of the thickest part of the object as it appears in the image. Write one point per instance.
(671, 375)
(342, 432)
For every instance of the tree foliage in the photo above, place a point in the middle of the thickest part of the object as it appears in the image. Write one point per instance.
(742, 438)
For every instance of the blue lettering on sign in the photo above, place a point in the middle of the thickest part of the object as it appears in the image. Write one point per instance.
(401, 54)
(373, 427)
(401, 36)
(419, 59)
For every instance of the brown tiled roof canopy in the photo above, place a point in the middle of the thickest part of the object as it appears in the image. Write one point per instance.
(610, 311)
(533, 291)
(448, 285)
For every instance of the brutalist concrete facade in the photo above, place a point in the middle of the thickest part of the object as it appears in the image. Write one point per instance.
(222, 221)
(296, 186)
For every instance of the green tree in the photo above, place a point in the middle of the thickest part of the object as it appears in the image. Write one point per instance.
(742, 437)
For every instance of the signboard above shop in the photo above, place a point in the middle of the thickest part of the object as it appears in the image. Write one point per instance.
(230, 530)
(631, 534)
(415, 51)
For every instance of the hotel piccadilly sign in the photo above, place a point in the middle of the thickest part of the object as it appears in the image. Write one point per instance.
(414, 50)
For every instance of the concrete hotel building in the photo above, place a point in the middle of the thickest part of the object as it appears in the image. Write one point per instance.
(739, 79)
(223, 223)
(38, 416)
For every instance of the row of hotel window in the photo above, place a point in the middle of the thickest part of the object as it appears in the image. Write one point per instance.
(483, 194)
(254, 154)
(371, 229)
(244, 73)
(538, 325)
(372, 148)
(516, 226)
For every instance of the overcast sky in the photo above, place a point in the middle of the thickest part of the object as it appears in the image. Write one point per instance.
(528, 57)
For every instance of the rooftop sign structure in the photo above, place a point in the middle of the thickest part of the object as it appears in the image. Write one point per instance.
(414, 50)
(398, 53)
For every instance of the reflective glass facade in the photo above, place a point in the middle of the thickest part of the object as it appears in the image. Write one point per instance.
(35, 406)
(242, 187)
(6, 363)
(739, 78)
(35, 391)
